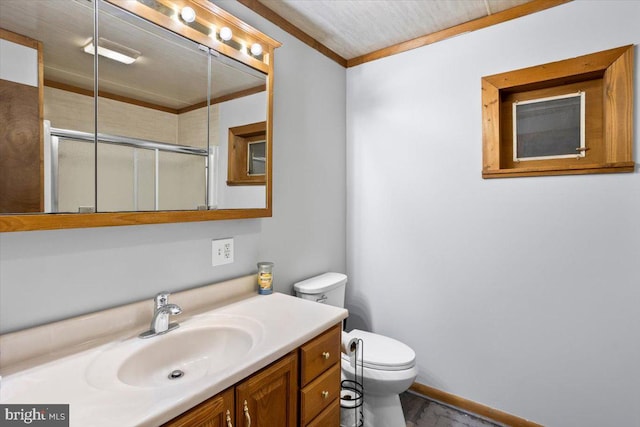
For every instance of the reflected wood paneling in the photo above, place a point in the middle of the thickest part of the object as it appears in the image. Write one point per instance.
(103, 94)
(224, 98)
(20, 152)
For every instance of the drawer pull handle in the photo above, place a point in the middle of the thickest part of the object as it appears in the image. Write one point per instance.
(229, 419)
(325, 394)
(246, 414)
(326, 355)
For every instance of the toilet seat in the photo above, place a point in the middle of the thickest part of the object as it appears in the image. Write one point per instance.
(382, 353)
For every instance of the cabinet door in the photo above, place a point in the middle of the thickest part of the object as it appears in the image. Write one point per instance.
(269, 398)
(214, 412)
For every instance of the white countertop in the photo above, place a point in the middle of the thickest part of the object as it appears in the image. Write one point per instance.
(287, 322)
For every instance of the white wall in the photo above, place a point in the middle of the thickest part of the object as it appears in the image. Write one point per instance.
(238, 112)
(522, 294)
(50, 275)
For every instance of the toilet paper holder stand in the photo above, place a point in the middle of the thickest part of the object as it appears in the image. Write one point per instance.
(352, 391)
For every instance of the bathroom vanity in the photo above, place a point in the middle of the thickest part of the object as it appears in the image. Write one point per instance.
(273, 360)
(270, 396)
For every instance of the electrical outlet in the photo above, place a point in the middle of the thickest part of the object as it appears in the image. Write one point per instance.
(221, 251)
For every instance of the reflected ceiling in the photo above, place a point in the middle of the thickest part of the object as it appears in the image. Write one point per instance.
(166, 74)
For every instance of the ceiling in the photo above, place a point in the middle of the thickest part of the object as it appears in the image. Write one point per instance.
(349, 30)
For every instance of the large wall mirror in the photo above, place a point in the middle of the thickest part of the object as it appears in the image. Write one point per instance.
(154, 145)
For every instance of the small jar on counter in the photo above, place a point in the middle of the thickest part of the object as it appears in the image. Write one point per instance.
(265, 278)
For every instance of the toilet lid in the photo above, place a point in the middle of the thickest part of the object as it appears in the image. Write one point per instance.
(383, 353)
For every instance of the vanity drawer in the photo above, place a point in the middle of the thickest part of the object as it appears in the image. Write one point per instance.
(319, 354)
(328, 417)
(320, 394)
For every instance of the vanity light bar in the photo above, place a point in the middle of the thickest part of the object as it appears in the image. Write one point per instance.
(219, 31)
(226, 35)
(113, 50)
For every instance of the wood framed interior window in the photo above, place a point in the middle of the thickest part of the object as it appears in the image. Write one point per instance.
(563, 118)
(247, 154)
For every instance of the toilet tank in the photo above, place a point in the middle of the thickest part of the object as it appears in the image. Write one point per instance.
(327, 288)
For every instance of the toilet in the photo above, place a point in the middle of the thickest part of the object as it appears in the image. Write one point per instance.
(388, 366)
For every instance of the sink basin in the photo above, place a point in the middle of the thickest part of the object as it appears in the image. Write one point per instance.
(200, 347)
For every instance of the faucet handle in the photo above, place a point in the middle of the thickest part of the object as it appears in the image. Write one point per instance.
(161, 299)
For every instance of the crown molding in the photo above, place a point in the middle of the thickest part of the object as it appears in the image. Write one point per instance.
(477, 24)
(287, 26)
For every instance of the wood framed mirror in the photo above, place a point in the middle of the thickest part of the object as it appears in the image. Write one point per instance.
(152, 146)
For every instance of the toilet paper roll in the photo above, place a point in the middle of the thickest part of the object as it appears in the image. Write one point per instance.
(349, 344)
(350, 347)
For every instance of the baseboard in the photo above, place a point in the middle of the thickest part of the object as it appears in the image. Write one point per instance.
(471, 406)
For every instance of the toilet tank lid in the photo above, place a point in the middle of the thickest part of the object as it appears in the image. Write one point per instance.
(322, 283)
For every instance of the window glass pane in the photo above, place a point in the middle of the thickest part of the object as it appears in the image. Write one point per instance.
(257, 158)
(548, 128)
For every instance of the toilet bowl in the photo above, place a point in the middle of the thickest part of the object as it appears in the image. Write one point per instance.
(384, 366)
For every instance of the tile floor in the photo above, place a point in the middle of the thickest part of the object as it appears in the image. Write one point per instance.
(422, 412)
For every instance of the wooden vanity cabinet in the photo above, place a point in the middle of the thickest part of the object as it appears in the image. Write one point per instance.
(265, 399)
(320, 379)
(269, 398)
(217, 411)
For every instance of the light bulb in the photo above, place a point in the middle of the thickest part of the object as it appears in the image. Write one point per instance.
(256, 49)
(188, 14)
(226, 33)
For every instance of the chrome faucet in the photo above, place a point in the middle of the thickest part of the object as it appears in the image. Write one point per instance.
(160, 322)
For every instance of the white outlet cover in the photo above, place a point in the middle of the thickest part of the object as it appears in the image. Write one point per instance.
(221, 251)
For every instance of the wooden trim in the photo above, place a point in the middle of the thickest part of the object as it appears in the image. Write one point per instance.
(471, 406)
(108, 95)
(19, 39)
(618, 107)
(57, 221)
(239, 94)
(477, 24)
(103, 94)
(41, 118)
(269, 169)
(212, 14)
(43, 221)
(238, 152)
(591, 65)
(613, 66)
(566, 170)
(224, 98)
(246, 28)
(287, 26)
(486, 21)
